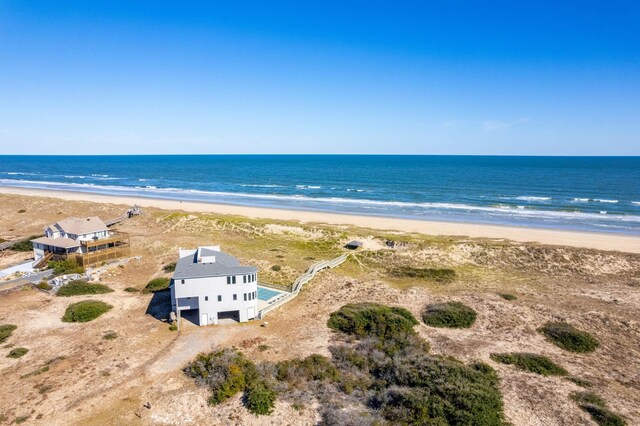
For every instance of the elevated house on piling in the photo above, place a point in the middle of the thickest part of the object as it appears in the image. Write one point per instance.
(88, 241)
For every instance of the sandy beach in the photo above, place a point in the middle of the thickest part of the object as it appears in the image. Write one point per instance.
(599, 241)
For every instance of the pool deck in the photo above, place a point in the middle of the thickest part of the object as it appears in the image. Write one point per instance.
(264, 303)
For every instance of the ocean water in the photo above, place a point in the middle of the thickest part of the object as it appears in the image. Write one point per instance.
(580, 193)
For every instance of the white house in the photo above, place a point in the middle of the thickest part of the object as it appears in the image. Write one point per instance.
(211, 285)
(88, 240)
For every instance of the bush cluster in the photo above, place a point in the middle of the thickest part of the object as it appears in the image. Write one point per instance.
(534, 363)
(228, 372)
(433, 274)
(85, 311)
(569, 338)
(43, 285)
(6, 330)
(157, 284)
(404, 386)
(67, 266)
(169, 267)
(449, 314)
(79, 287)
(24, 245)
(597, 408)
(17, 352)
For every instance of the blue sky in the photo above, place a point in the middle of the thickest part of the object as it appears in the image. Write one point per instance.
(412, 77)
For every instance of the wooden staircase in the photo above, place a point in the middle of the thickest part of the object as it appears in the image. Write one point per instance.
(44, 260)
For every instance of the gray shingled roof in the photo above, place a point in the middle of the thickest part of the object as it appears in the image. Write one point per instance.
(225, 265)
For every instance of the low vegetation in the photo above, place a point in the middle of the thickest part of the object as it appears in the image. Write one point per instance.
(569, 338)
(132, 290)
(85, 311)
(66, 266)
(583, 383)
(508, 296)
(597, 408)
(5, 331)
(111, 335)
(43, 285)
(157, 284)
(79, 288)
(433, 274)
(276, 268)
(24, 245)
(403, 386)
(17, 352)
(533, 363)
(449, 314)
(169, 267)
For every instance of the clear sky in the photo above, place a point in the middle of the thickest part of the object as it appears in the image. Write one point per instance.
(405, 77)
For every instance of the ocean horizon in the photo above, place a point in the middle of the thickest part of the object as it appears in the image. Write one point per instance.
(599, 194)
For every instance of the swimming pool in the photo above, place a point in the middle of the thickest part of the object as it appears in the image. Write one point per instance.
(267, 293)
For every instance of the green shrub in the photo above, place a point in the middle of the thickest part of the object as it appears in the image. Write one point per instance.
(569, 338)
(21, 419)
(22, 211)
(67, 266)
(580, 382)
(260, 399)
(17, 352)
(24, 245)
(169, 267)
(85, 311)
(5, 331)
(508, 296)
(449, 314)
(276, 268)
(433, 274)
(370, 319)
(313, 367)
(79, 288)
(131, 290)
(173, 327)
(111, 335)
(157, 284)
(224, 372)
(597, 408)
(43, 285)
(531, 362)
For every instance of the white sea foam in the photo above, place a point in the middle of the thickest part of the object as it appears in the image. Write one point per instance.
(600, 200)
(308, 187)
(378, 206)
(532, 198)
(580, 200)
(354, 190)
(246, 185)
(636, 203)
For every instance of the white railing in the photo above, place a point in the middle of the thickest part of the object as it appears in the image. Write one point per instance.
(301, 281)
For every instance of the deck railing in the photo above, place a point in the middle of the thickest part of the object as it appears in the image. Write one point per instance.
(301, 281)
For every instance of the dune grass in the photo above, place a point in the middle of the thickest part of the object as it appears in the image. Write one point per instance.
(508, 296)
(17, 352)
(5, 331)
(79, 288)
(157, 284)
(449, 315)
(441, 275)
(533, 363)
(85, 311)
(597, 408)
(569, 338)
(169, 267)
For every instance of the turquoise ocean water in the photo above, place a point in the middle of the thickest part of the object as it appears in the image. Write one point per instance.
(581, 193)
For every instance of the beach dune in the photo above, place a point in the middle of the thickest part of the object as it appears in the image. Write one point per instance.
(593, 240)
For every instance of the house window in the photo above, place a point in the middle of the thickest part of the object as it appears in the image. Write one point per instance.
(206, 298)
(233, 279)
(245, 297)
(182, 281)
(219, 298)
(244, 279)
(228, 280)
(254, 294)
(235, 297)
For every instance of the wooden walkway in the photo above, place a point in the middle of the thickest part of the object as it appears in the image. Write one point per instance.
(133, 211)
(302, 280)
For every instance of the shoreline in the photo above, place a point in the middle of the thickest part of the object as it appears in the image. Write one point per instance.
(593, 240)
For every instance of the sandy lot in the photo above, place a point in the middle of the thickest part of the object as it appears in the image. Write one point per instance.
(71, 375)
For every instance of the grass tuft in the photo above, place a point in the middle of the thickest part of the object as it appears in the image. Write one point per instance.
(111, 335)
(449, 314)
(85, 311)
(157, 284)
(79, 288)
(169, 267)
(17, 352)
(24, 245)
(131, 290)
(441, 275)
(597, 408)
(533, 363)
(508, 296)
(5, 331)
(569, 338)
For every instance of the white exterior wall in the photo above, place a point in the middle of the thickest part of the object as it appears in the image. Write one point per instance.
(213, 287)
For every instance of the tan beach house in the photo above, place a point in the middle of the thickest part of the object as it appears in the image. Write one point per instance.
(86, 240)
